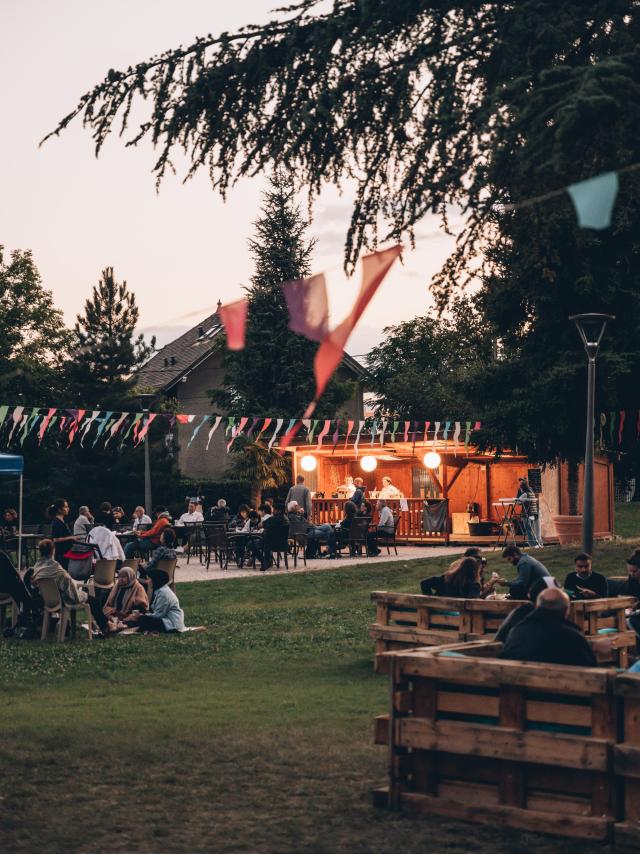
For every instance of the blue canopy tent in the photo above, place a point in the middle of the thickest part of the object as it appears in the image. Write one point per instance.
(12, 465)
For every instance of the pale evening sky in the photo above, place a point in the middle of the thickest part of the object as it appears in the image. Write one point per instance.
(179, 250)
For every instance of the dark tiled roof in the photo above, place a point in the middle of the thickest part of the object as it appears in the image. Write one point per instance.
(165, 368)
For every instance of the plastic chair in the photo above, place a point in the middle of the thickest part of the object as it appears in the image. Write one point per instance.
(104, 574)
(53, 605)
(7, 601)
(132, 563)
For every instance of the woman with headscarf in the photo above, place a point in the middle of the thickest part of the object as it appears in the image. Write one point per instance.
(126, 596)
(165, 614)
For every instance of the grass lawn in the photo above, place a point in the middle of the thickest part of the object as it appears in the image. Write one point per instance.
(627, 519)
(253, 736)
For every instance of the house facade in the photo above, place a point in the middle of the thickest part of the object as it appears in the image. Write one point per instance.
(190, 367)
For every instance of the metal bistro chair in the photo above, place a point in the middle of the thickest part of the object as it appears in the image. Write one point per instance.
(195, 540)
(217, 543)
(389, 539)
(357, 535)
(276, 541)
(298, 539)
(53, 605)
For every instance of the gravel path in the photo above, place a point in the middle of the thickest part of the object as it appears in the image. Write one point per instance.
(193, 571)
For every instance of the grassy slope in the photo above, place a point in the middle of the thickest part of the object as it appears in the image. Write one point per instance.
(253, 736)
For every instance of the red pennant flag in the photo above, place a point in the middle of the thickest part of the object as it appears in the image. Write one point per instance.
(407, 424)
(308, 306)
(374, 268)
(234, 318)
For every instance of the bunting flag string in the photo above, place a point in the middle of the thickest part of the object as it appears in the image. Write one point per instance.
(616, 430)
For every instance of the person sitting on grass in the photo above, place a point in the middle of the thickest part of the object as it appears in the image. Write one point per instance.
(70, 593)
(126, 596)
(546, 635)
(529, 570)
(165, 614)
(583, 583)
(461, 580)
(147, 540)
(518, 614)
(165, 551)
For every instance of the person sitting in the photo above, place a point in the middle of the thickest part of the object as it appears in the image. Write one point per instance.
(386, 521)
(165, 613)
(140, 517)
(315, 534)
(265, 511)
(126, 596)
(343, 527)
(70, 593)
(271, 523)
(107, 542)
(302, 495)
(118, 514)
(192, 516)
(147, 540)
(583, 583)
(518, 614)
(105, 516)
(220, 513)
(83, 523)
(11, 584)
(461, 580)
(238, 521)
(365, 509)
(165, 551)
(9, 528)
(546, 635)
(529, 570)
(632, 588)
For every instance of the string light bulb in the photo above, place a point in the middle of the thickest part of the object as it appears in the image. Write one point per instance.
(308, 463)
(432, 460)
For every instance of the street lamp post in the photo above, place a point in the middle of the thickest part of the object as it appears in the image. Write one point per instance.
(145, 401)
(591, 328)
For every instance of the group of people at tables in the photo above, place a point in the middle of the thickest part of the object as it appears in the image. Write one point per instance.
(539, 630)
(128, 604)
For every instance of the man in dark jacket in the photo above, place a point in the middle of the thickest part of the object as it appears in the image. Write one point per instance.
(584, 583)
(546, 635)
(529, 570)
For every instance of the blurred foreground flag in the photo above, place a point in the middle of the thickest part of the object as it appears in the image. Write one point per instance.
(308, 306)
(234, 318)
(594, 200)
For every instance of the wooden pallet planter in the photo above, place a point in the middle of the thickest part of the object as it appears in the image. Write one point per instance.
(523, 745)
(406, 621)
(627, 756)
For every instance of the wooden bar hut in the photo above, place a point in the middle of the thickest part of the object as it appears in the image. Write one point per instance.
(471, 483)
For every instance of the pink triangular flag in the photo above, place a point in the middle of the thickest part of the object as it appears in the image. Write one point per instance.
(308, 306)
(234, 318)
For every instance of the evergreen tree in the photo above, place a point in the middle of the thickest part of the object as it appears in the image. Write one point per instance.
(106, 353)
(273, 374)
(33, 337)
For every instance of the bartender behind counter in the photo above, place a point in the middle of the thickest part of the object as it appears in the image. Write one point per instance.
(346, 489)
(389, 490)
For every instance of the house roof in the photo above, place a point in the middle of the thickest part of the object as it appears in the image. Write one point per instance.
(178, 358)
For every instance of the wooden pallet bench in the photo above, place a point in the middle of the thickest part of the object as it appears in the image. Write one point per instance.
(476, 738)
(627, 757)
(406, 621)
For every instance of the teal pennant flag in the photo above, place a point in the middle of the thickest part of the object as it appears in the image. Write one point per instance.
(594, 200)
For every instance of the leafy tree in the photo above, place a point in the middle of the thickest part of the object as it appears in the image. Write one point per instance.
(273, 374)
(424, 104)
(106, 353)
(255, 464)
(421, 367)
(33, 337)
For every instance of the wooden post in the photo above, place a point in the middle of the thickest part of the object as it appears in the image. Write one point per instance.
(445, 495)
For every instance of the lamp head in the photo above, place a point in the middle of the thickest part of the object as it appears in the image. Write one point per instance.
(591, 327)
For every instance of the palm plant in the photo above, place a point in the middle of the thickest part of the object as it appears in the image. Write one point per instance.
(262, 468)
